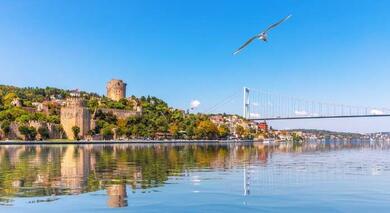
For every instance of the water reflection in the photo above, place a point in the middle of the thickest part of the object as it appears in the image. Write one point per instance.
(116, 195)
(37, 171)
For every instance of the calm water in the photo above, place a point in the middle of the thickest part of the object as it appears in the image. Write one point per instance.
(332, 177)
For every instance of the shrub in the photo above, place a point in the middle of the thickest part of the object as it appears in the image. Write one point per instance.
(29, 132)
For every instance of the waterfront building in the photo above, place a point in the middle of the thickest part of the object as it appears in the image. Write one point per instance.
(263, 126)
(116, 89)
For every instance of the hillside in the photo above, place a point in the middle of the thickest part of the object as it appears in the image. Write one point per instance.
(20, 107)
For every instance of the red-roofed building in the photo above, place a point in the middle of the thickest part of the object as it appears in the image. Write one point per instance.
(263, 126)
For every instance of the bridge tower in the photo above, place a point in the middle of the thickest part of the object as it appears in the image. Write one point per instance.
(246, 103)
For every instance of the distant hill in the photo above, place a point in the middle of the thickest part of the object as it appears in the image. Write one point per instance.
(328, 133)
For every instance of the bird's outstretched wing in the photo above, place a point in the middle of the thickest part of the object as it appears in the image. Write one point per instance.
(277, 23)
(244, 45)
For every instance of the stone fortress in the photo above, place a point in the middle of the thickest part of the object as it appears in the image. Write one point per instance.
(116, 89)
(75, 113)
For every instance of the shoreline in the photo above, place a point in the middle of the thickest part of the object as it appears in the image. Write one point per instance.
(123, 142)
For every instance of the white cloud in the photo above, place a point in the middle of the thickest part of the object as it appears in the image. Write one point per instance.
(376, 112)
(255, 104)
(254, 115)
(301, 113)
(194, 104)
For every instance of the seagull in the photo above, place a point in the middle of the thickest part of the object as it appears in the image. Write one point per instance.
(261, 36)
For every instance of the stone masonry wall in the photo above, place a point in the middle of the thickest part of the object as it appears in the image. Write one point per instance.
(75, 116)
(122, 114)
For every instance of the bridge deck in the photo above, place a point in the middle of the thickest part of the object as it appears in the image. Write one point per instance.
(318, 117)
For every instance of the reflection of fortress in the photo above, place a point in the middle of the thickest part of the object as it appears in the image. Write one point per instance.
(116, 195)
(51, 169)
(75, 167)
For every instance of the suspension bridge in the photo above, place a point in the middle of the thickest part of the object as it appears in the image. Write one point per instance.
(261, 105)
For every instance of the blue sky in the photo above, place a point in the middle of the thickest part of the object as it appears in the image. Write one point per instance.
(333, 51)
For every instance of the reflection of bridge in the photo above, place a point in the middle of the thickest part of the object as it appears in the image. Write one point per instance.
(260, 105)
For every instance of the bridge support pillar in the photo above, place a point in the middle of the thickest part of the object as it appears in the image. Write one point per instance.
(246, 104)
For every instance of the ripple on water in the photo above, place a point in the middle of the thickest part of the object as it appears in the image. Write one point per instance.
(208, 177)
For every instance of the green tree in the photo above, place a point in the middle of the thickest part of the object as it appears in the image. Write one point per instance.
(8, 98)
(6, 127)
(174, 130)
(44, 132)
(55, 119)
(29, 132)
(240, 131)
(76, 131)
(24, 118)
(296, 137)
(93, 104)
(223, 131)
(107, 133)
(206, 130)
(33, 133)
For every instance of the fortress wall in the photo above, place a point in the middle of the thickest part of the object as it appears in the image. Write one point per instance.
(75, 116)
(122, 114)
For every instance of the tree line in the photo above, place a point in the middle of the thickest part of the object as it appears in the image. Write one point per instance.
(156, 118)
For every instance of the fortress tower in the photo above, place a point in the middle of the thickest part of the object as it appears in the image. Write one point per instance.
(116, 89)
(74, 113)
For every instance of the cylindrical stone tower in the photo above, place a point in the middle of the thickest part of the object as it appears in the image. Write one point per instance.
(116, 89)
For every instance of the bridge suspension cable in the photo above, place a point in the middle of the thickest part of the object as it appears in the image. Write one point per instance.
(223, 102)
(261, 105)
